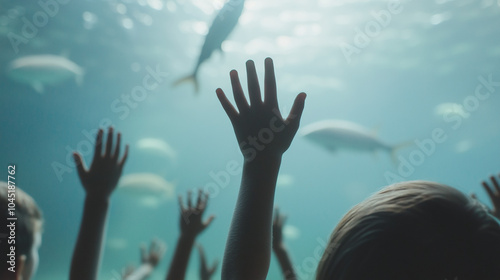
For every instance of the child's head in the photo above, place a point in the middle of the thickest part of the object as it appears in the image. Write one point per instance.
(414, 230)
(28, 229)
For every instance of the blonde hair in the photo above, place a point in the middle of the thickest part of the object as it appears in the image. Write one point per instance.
(29, 221)
(414, 230)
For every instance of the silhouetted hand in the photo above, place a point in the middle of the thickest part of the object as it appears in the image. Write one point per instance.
(259, 127)
(102, 177)
(191, 223)
(278, 222)
(156, 251)
(205, 271)
(494, 194)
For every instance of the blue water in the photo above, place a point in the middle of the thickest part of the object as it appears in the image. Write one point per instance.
(425, 55)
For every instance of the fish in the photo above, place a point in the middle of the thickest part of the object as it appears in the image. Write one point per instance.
(221, 27)
(291, 232)
(336, 135)
(156, 146)
(146, 185)
(446, 109)
(40, 71)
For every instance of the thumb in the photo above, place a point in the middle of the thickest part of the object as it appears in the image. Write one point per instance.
(297, 109)
(80, 165)
(209, 220)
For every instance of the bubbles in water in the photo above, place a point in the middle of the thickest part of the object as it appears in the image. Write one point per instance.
(144, 18)
(291, 232)
(127, 23)
(156, 4)
(200, 27)
(439, 18)
(89, 19)
(121, 9)
(171, 6)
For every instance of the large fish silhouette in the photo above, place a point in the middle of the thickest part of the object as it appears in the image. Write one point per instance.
(223, 24)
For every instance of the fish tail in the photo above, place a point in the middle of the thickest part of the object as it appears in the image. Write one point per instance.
(395, 150)
(190, 78)
(79, 79)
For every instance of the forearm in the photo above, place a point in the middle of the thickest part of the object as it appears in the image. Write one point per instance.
(285, 263)
(141, 273)
(179, 264)
(87, 253)
(248, 247)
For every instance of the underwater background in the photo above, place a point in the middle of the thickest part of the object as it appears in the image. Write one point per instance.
(404, 76)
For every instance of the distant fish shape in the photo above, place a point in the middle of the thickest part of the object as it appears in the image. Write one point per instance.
(146, 184)
(223, 24)
(156, 146)
(335, 135)
(42, 70)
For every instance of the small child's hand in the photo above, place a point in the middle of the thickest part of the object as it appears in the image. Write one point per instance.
(259, 127)
(191, 224)
(205, 271)
(278, 222)
(494, 194)
(156, 251)
(101, 179)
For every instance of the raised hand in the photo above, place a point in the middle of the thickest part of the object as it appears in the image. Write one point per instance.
(494, 194)
(191, 226)
(156, 251)
(191, 223)
(102, 177)
(259, 127)
(205, 271)
(279, 248)
(278, 222)
(149, 261)
(99, 182)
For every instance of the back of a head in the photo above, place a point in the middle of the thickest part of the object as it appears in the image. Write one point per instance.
(23, 232)
(414, 230)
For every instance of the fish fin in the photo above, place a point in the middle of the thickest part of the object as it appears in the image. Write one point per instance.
(191, 78)
(38, 87)
(395, 149)
(331, 149)
(65, 53)
(375, 130)
(79, 79)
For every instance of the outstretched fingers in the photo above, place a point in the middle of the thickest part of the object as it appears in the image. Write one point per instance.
(109, 142)
(270, 92)
(297, 109)
(239, 96)
(181, 204)
(80, 165)
(124, 158)
(228, 107)
(253, 84)
(117, 147)
(490, 192)
(98, 144)
(495, 184)
(208, 221)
